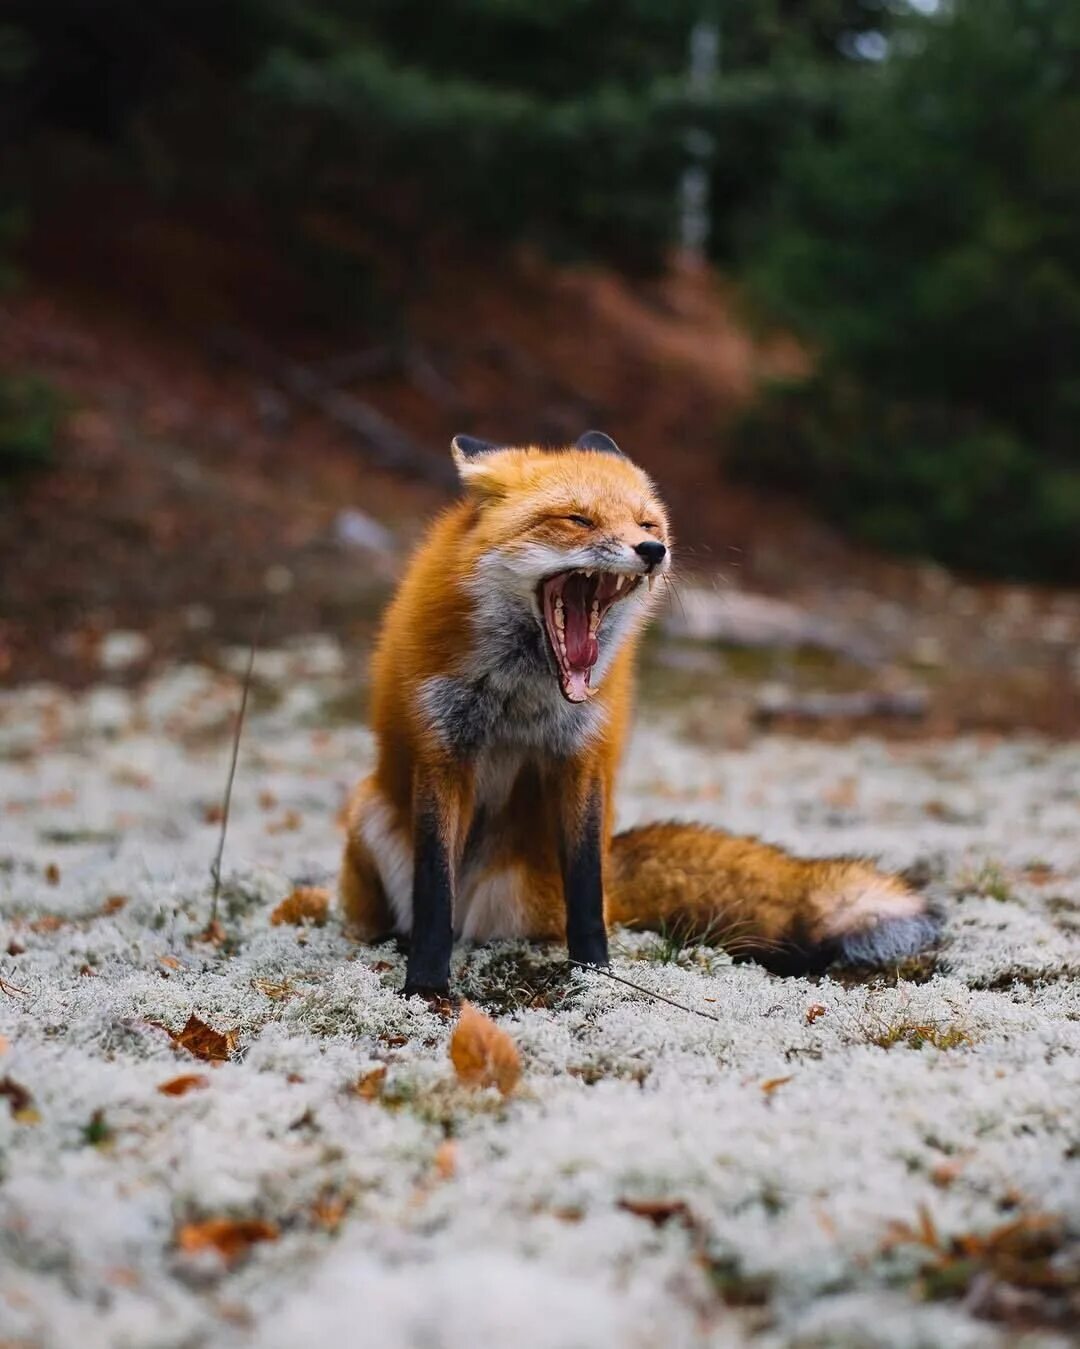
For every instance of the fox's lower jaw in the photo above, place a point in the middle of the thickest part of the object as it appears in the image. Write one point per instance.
(572, 607)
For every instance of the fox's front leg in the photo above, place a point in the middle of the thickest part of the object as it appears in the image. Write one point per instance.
(581, 845)
(441, 803)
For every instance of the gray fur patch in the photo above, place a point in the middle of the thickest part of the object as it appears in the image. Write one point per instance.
(889, 940)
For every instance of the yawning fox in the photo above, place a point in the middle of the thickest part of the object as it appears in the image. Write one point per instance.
(501, 703)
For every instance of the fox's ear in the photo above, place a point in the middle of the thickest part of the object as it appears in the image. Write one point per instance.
(596, 440)
(472, 459)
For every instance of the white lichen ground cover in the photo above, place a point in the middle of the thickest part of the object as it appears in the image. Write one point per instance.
(658, 1178)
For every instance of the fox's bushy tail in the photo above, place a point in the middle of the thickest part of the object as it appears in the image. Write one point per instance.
(794, 915)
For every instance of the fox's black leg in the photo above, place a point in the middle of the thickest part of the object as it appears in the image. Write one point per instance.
(428, 969)
(583, 882)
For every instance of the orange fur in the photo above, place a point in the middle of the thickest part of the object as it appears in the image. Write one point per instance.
(735, 891)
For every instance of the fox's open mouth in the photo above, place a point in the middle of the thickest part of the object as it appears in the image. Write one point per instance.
(574, 604)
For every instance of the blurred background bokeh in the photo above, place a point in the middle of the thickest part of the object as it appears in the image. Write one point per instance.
(815, 263)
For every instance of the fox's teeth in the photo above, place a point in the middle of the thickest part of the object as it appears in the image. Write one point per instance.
(560, 618)
(618, 584)
(588, 574)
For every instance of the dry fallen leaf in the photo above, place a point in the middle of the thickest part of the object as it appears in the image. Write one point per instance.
(274, 991)
(203, 1041)
(5, 1044)
(113, 904)
(329, 1210)
(290, 821)
(52, 874)
(306, 904)
(483, 1055)
(232, 1238)
(944, 1173)
(814, 1011)
(657, 1211)
(370, 1085)
(213, 932)
(771, 1084)
(49, 922)
(180, 1086)
(446, 1159)
(20, 1101)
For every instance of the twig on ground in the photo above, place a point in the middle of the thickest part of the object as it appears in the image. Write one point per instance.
(215, 866)
(649, 993)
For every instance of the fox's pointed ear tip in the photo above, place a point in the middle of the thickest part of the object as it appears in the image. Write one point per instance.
(599, 442)
(468, 447)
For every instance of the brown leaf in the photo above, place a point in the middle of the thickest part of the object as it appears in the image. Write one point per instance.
(369, 1085)
(5, 1044)
(269, 989)
(49, 922)
(445, 1159)
(291, 820)
(52, 874)
(483, 1055)
(232, 1238)
(771, 1084)
(113, 904)
(306, 904)
(657, 1211)
(203, 1041)
(814, 1011)
(170, 962)
(20, 1101)
(944, 1173)
(180, 1086)
(329, 1210)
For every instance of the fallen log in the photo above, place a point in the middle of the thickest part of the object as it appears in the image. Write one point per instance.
(385, 443)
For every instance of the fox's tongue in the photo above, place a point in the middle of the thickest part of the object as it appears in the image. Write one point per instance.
(582, 650)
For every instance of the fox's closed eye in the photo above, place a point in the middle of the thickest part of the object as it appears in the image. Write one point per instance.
(582, 520)
(648, 524)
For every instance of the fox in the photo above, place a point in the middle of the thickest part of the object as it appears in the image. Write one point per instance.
(501, 692)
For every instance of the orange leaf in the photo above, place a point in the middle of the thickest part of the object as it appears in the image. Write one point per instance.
(814, 1011)
(446, 1159)
(5, 1044)
(113, 904)
(52, 874)
(180, 1086)
(771, 1084)
(49, 922)
(203, 1041)
(370, 1085)
(329, 1210)
(232, 1238)
(306, 904)
(483, 1055)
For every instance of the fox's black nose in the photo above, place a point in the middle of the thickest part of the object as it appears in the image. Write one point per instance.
(652, 551)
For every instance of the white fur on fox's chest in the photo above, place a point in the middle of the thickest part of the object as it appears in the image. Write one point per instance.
(488, 904)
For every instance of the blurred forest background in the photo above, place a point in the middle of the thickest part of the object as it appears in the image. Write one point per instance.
(815, 262)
